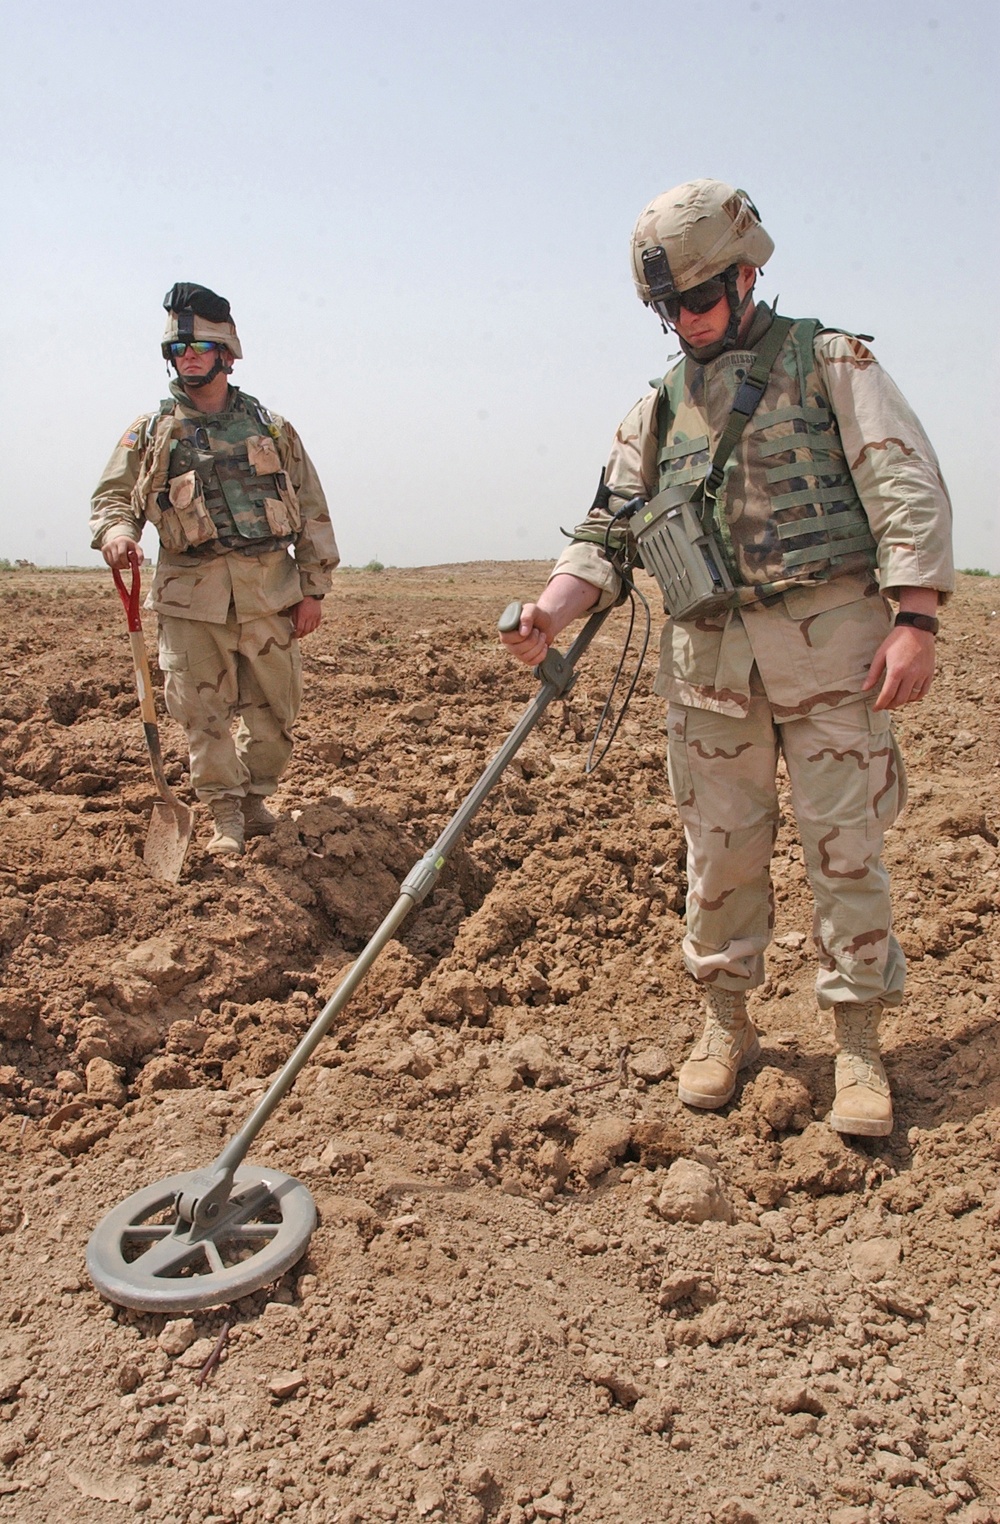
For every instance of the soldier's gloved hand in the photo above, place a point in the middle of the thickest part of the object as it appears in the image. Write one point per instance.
(306, 616)
(116, 551)
(531, 640)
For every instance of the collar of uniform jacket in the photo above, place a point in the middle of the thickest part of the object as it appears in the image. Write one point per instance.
(184, 402)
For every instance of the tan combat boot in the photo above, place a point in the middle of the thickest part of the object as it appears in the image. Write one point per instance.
(228, 817)
(728, 1043)
(863, 1104)
(257, 818)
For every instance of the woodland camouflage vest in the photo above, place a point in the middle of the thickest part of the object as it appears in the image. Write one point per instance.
(787, 512)
(217, 478)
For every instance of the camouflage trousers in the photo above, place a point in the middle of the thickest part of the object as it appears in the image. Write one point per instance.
(847, 785)
(216, 672)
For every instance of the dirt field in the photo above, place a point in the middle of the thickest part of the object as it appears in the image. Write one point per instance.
(540, 1288)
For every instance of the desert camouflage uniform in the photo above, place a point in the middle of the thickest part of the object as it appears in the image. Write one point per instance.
(225, 640)
(784, 671)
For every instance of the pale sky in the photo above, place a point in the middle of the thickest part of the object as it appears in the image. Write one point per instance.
(421, 216)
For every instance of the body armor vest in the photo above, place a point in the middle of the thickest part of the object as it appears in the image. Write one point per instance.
(787, 511)
(216, 481)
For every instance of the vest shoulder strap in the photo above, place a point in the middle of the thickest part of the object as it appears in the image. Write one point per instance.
(748, 395)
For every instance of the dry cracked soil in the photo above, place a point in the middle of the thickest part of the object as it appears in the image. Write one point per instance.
(539, 1287)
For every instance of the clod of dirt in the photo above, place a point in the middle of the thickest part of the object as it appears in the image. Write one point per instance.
(782, 1100)
(614, 1378)
(789, 1395)
(177, 1336)
(819, 1161)
(166, 1073)
(532, 1059)
(693, 1193)
(14, 1372)
(657, 1143)
(601, 1145)
(106, 1082)
(652, 1065)
(18, 1012)
(875, 1258)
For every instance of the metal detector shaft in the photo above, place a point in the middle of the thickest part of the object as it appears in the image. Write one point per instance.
(556, 674)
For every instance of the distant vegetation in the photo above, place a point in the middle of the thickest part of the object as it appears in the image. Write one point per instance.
(976, 571)
(373, 566)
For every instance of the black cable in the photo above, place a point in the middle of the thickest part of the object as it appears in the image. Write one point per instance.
(625, 571)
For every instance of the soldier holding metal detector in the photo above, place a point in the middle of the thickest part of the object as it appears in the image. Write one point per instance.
(786, 493)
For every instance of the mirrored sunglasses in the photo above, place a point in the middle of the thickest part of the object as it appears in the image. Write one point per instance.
(196, 346)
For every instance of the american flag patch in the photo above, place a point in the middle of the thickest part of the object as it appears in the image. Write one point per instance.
(128, 439)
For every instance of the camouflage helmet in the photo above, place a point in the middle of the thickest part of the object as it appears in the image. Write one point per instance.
(693, 232)
(195, 312)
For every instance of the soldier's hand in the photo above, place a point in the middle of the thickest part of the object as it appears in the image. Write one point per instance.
(905, 664)
(306, 616)
(531, 640)
(116, 552)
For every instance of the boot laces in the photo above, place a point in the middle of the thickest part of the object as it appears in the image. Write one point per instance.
(725, 1026)
(727, 1009)
(857, 1037)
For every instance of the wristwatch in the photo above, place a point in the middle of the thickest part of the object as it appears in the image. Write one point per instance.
(919, 621)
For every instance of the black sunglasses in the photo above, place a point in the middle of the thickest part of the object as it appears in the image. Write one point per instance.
(700, 298)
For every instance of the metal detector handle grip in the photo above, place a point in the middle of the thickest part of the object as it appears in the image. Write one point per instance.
(556, 670)
(510, 618)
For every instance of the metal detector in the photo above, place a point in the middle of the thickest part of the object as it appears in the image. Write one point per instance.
(212, 1235)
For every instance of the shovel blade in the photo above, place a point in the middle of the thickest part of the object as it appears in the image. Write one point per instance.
(167, 839)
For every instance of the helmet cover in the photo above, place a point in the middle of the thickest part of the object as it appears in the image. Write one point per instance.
(693, 232)
(195, 312)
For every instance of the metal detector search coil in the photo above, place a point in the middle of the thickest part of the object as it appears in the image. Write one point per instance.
(684, 557)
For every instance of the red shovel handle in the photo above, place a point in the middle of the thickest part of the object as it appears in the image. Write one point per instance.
(130, 597)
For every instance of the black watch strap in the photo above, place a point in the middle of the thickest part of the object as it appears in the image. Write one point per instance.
(919, 621)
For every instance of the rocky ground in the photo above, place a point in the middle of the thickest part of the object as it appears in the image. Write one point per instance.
(539, 1288)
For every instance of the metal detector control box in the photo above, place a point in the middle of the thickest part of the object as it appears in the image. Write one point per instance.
(684, 557)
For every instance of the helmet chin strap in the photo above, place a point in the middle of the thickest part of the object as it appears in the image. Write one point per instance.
(194, 383)
(736, 307)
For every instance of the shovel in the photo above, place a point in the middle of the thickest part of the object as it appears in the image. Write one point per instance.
(172, 822)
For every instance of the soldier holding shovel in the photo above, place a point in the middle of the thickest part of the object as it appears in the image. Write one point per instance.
(246, 555)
